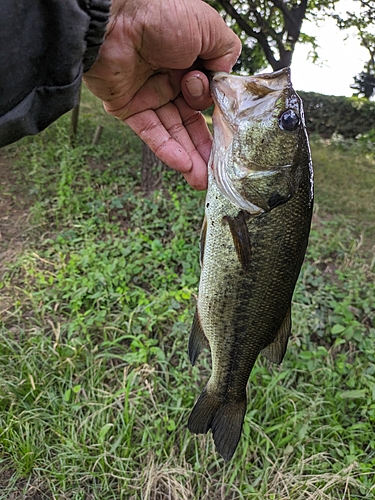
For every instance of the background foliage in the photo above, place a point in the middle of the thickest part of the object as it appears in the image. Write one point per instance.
(270, 29)
(327, 115)
(97, 293)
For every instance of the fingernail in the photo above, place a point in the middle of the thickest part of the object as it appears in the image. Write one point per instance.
(194, 86)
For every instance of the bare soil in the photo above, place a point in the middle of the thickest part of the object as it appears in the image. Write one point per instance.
(14, 212)
(23, 489)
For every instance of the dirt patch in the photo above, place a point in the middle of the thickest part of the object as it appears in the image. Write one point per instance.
(22, 489)
(14, 213)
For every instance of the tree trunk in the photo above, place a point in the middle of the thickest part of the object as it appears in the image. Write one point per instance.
(151, 171)
(74, 121)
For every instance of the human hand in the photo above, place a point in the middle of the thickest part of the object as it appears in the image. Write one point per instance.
(148, 75)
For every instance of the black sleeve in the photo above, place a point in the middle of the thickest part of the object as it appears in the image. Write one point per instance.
(45, 46)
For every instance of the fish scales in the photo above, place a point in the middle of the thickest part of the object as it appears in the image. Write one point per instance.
(253, 241)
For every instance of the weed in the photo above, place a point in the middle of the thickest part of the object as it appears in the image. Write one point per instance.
(95, 382)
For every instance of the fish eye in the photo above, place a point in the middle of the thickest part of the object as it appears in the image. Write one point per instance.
(289, 120)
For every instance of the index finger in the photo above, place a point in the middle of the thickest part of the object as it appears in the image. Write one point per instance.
(165, 134)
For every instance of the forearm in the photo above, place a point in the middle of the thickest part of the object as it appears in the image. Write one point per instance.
(44, 49)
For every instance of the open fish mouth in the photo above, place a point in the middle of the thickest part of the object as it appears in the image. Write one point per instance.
(236, 95)
(238, 101)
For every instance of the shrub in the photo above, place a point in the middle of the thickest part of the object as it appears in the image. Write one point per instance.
(347, 116)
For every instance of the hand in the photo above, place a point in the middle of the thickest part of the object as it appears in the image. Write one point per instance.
(148, 75)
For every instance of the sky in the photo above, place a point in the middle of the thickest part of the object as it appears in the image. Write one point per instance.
(340, 59)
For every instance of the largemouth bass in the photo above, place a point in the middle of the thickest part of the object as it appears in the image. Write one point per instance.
(253, 241)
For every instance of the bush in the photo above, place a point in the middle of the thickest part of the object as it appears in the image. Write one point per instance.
(347, 116)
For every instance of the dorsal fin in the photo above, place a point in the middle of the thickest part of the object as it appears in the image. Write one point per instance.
(241, 238)
(275, 351)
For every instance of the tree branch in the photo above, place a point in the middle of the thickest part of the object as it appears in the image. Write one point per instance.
(263, 15)
(259, 36)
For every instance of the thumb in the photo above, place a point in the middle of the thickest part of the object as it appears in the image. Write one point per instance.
(195, 88)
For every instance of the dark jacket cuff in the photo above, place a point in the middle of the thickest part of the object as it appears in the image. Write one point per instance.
(98, 10)
(44, 49)
(38, 110)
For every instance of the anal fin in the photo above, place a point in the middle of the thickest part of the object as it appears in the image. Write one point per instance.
(197, 339)
(275, 351)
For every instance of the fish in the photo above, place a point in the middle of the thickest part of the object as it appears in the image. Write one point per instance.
(258, 212)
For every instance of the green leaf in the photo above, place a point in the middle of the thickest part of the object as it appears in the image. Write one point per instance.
(103, 431)
(303, 430)
(288, 450)
(305, 355)
(171, 425)
(355, 394)
(337, 329)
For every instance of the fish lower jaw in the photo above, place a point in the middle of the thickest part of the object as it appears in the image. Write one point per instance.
(243, 204)
(226, 186)
(239, 201)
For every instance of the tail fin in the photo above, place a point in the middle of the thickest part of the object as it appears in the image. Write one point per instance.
(225, 420)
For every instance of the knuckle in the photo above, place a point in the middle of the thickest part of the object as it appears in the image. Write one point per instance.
(176, 128)
(161, 146)
(192, 119)
(150, 126)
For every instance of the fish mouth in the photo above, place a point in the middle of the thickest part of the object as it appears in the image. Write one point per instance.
(238, 100)
(237, 95)
(276, 77)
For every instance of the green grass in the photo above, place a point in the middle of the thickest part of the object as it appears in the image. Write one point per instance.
(96, 305)
(345, 179)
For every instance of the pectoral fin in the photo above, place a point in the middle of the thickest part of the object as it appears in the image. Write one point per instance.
(202, 240)
(275, 351)
(241, 238)
(197, 339)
